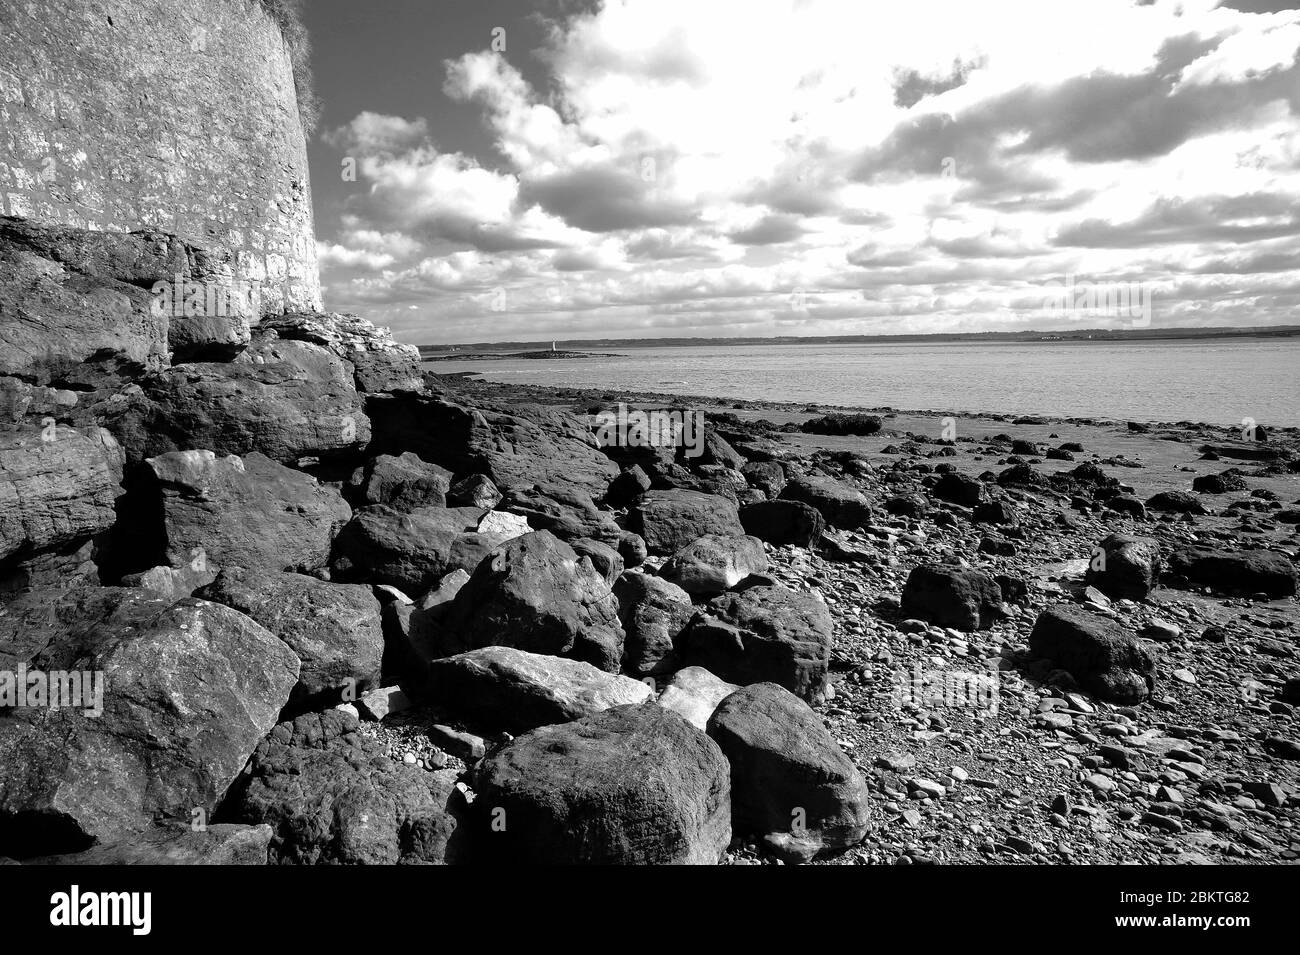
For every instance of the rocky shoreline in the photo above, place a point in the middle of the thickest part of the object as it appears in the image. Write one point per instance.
(345, 611)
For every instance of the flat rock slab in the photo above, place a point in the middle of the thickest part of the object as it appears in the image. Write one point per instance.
(513, 690)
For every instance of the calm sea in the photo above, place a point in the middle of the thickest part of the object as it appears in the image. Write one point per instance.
(1218, 382)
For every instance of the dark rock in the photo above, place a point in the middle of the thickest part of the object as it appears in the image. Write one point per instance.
(958, 488)
(286, 400)
(58, 487)
(767, 476)
(994, 512)
(333, 629)
(630, 484)
(859, 424)
(411, 551)
(842, 506)
(247, 512)
(1241, 571)
(653, 612)
(1124, 566)
(403, 482)
(634, 785)
(1101, 655)
(1176, 502)
(607, 561)
(996, 546)
(188, 690)
(790, 781)
(908, 505)
(534, 593)
(764, 633)
(566, 511)
(952, 596)
(1222, 483)
(631, 547)
(521, 447)
(69, 315)
(669, 520)
(330, 795)
(1127, 504)
(783, 522)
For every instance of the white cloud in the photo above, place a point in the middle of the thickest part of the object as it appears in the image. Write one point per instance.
(931, 162)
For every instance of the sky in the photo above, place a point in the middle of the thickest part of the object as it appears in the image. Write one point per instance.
(569, 169)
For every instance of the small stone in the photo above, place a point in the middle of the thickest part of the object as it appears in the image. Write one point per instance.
(1184, 676)
(1103, 784)
(1161, 630)
(408, 758)
(927, 786)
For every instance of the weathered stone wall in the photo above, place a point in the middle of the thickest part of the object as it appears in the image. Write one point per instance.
(120, 114)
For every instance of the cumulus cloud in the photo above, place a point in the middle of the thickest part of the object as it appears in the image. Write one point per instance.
(932, 166)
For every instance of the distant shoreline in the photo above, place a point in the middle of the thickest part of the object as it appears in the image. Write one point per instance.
(583, 347)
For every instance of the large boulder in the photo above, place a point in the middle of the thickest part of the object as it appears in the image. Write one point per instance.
(519, 447)
(72, 311)
(783, 522)
(1124, 566)
(766, 633)
(1222, 483)
(378, 363)
(411, 551)
(1236, 571)
(957, 488)
(567, 512)
(714, 563)
(513, 690)
(790, 781)
(333, 629)
(694, 693)
(188, 690)
(401, 481)
(1176, 502)
(952, 596)
(536, 594)
(653, 612)
(1101, 655)
(58, 487)
(331, 796)
(633, 785)
(669, 520)
(248, 512)
(287, 400)
(841, 505)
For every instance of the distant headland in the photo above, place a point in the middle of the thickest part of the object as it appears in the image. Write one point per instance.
(581, 348)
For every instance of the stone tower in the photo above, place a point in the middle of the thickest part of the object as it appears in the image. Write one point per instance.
(175, 114)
